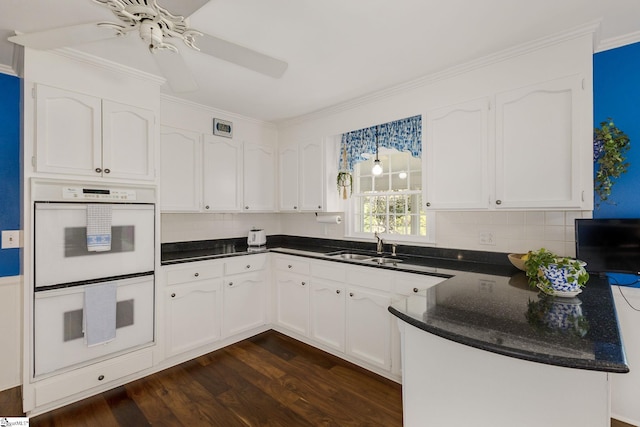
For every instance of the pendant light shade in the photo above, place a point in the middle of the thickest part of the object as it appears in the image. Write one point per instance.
(377, 165)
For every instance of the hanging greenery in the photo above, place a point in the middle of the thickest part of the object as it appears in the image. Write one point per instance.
(610, 145)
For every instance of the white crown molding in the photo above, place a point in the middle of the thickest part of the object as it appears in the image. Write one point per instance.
(6, 69)
(108, 65)
(615, 42)
(215, 111)
(586, 29)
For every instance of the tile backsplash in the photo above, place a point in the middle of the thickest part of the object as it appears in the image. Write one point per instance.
(493, 231)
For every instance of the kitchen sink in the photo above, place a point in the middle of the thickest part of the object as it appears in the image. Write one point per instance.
(364, 257)
(349, 255)
(384, 260)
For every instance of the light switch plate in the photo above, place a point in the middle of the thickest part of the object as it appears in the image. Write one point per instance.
(11, 239)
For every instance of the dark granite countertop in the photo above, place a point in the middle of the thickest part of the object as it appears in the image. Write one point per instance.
(485, 302)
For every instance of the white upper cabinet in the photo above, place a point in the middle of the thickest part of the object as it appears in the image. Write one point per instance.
(222, 174)
(456, 156)
(69, 132)
(525, 153)
(180, 170)
(127, 141)
(538, 145)
(288, 178)
(311, 168)
(308, 171)
(79, 134)
(259, 178)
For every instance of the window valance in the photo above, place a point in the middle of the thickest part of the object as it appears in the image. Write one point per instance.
(403, 135)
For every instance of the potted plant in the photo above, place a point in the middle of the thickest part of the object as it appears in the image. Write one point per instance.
(555, 275)
(344, 182)
(609, 147)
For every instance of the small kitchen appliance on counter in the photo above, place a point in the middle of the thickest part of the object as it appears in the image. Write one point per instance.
(256, 238)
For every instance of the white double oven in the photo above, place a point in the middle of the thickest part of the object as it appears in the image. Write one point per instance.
(66, 269)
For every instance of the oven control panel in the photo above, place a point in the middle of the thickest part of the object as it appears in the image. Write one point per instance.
(98, 194)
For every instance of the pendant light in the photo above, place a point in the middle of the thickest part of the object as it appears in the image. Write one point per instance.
(377, 166)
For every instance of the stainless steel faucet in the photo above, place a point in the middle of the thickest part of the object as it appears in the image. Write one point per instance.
(379, 244)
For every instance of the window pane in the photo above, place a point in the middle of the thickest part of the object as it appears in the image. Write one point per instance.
(399, 181)
(366, 184)
(381, 182)
(415, 179)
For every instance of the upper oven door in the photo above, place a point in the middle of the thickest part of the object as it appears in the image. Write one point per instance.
(61, 254)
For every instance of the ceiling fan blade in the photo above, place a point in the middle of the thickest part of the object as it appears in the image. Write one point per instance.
(183, 8)
(241, 55)
(175, 70)
(64, 36)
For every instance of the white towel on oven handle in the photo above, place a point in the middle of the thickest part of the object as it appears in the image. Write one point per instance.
(99, 314)
(99, 228)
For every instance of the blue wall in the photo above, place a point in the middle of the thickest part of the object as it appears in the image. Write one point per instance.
(9, 169)
(616, 94)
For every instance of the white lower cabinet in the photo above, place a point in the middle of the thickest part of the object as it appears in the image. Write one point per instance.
(404, 285)
(327, 313)
(244, 298)
(193, 314)
(292, 302)
(369, 326)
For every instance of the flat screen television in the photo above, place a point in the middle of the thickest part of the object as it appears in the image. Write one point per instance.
(609, 245)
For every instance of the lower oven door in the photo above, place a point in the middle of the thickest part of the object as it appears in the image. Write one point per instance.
(59, 331)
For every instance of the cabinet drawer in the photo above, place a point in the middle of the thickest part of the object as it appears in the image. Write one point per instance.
(373, 278)
(83, 379)
(245, 264)
(194, 271)
(329, 270)
(293, 265)
(407, 284)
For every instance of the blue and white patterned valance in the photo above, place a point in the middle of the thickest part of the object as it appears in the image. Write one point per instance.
(403, 135)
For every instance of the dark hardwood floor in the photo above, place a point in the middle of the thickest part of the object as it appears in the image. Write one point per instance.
(267, 380)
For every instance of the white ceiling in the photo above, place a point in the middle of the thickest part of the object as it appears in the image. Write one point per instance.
(337, 50)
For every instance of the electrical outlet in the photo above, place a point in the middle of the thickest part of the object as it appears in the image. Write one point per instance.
(486, 238)
(11, 239)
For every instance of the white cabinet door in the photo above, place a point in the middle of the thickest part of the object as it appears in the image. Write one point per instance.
(368, 326)
(68, 132)
(259, 178)
(292, 302)
(327, 313)
(538, 145)
(127, 141)
(245, 303)
(180, 169)
(456, 156)
(193, 314)
(288, 178)
(222, 174)
(311, 172)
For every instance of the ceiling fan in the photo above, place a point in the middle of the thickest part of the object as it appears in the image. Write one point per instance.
(157, 27)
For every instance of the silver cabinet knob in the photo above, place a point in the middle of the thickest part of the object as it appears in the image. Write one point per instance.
(428, 204)
(337, 291)
(304, 283)
(101, 377)
(107, 171)
(350, 294)
(498, 202)
(197, 274)
(415, 289)
(319, 207)
(230, 283)
(173, 295)
(295, 207)
(206, 207)
(246, 207)
(289, 266)
(98, 170)
(248, 265)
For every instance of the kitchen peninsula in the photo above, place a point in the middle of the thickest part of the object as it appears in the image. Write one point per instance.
(508, 354)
